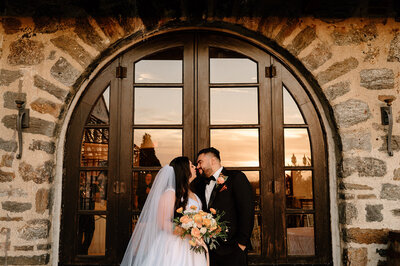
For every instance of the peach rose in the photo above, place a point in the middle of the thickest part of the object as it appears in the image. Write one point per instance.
(193, 207)
(195, 232)
(192, 243)
(198, 218)
(207, 222)
(213, 228)
(220, 180)
(178, 231)
(179, 210)
(184, 219)
(213, 211)
(202, 213)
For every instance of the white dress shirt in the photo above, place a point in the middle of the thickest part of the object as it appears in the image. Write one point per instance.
(210, 187)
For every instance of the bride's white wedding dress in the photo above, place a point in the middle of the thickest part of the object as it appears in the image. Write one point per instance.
(153, 242)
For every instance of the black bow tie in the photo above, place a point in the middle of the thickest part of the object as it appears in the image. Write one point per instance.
(208, 180)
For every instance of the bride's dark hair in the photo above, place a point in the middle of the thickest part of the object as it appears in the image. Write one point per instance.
(181, 167)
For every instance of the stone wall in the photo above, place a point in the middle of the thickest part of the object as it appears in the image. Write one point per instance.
(353, 60)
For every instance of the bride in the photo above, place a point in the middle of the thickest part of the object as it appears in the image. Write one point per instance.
(153, 242)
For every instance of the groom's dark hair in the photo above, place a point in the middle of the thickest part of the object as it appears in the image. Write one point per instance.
(211, 150)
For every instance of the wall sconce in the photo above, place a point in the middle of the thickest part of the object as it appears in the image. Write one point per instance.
(387, 118)
(22, 122)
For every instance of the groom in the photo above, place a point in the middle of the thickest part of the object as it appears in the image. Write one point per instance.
(230, 192)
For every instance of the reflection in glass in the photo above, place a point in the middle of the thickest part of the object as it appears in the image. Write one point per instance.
(100, 114)
(227, 66)
(297, 147)
(163, 67)
(238, 147)
(141, 185)
(94, 150)
(292, 114)
(92, 235)
(93, 190)
(254, 179)
(233, 106)
(158, 106)
(299, 190)
(300, 234)
(156, 147)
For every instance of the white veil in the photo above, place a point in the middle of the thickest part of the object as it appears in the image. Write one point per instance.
(155, 222)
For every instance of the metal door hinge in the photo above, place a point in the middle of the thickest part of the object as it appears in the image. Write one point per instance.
(120, 72)
(271, 186)
(270, 71)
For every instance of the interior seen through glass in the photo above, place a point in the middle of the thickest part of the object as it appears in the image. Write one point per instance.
(300, 234)
(92, 235)
(297, 147)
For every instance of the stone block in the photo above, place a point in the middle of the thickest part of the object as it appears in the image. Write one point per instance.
(13, 206)
(346, 196)
(36, 125)
(287, 29)
(40, 175)
(396, 174)
(349, 186)
(366, 236)
(43, 247)
(355, 256)
(395, 143)
(44, 106)
(374, 213)
(302, 40)
(396, 212)
(394, 52)
(71, 47)
(355, 35)
(34, 230)
(390, 192)
(10, 219)
(10, 97)
(45, 85)
(6, 160)
(42, 200)
(337, 90)
(23, 248)
(64, 72)
(41, 145)
(12, 192)
(26, 52)
(26, 260)
(11, 25)
(6, 176)
(110, 27)
(347, 212)
(336, 70)
(88, 34)
(377, 79)
(8, 145)
(360, 140)
(364, 166)
(9, 76)
(317, 57)
(366, 196)
(351, 112)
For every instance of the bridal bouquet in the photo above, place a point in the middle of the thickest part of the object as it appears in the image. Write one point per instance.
(200, 225)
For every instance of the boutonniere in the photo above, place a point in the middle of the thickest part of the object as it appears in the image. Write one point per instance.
(221, 181)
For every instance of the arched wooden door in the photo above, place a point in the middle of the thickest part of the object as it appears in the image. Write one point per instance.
(174, 95)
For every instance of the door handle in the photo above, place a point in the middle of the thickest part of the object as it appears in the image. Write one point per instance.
(271, 186)
(119, 187)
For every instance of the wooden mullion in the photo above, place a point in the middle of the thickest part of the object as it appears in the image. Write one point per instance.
(230, 85)
(159, 85)
(234, 126)
(158, 127)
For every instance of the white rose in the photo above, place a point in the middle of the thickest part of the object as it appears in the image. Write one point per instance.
(203, 230)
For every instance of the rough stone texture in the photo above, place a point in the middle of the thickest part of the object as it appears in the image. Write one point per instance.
(64, 72)
(43, 247)
(10, 219)
(366, 196)
(366, 236)
(302, 40)
(390, 192)
(8, 145)
(365, 166)
(42, 200)
(396, 174)
(286, 30)
(337, 90)
(10, 97)
(36, 125)
(346, 196)
(12, 192)
(395, 143)
(355, 35)
(13, 206)
(110, 27)
(87, 33)
(26, 260)
(394, 52)
(355, 256)
(71, 47)
(396, 212)
(359, 140)
(336, 70)
(35, 229)
(45, 85)
(349, 186)
(26, 52)
(40, 175)
(46, 146)
(377, 79)
(11, 25)
(374, 213)
(6, 160)
(317, 57)
(351, 112)
(347, 212)
(44, 106)
(9, 76)
(6, 176)
(23, 248)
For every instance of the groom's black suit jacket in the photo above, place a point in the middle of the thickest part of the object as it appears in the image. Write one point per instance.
(237, 202)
